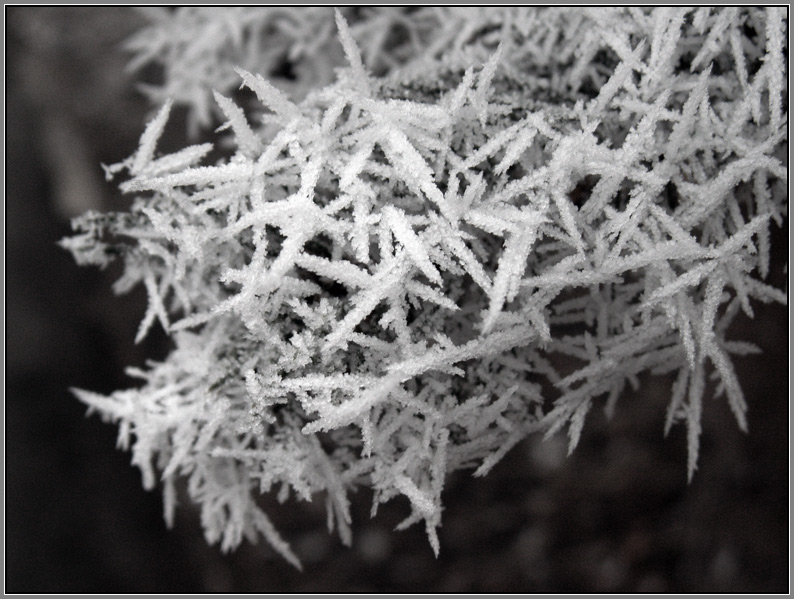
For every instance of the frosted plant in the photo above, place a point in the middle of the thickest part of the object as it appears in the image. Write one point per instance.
(405, 275)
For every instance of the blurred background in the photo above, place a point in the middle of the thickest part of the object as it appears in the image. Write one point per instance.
(616, 516)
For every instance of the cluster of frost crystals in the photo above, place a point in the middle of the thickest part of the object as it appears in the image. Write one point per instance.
(403, 276)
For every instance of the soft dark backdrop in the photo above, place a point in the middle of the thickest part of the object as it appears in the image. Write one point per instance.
(617, 516)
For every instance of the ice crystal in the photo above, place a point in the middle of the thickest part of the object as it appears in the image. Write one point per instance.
(376, 284)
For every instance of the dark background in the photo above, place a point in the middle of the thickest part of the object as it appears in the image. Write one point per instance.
(617, 516)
